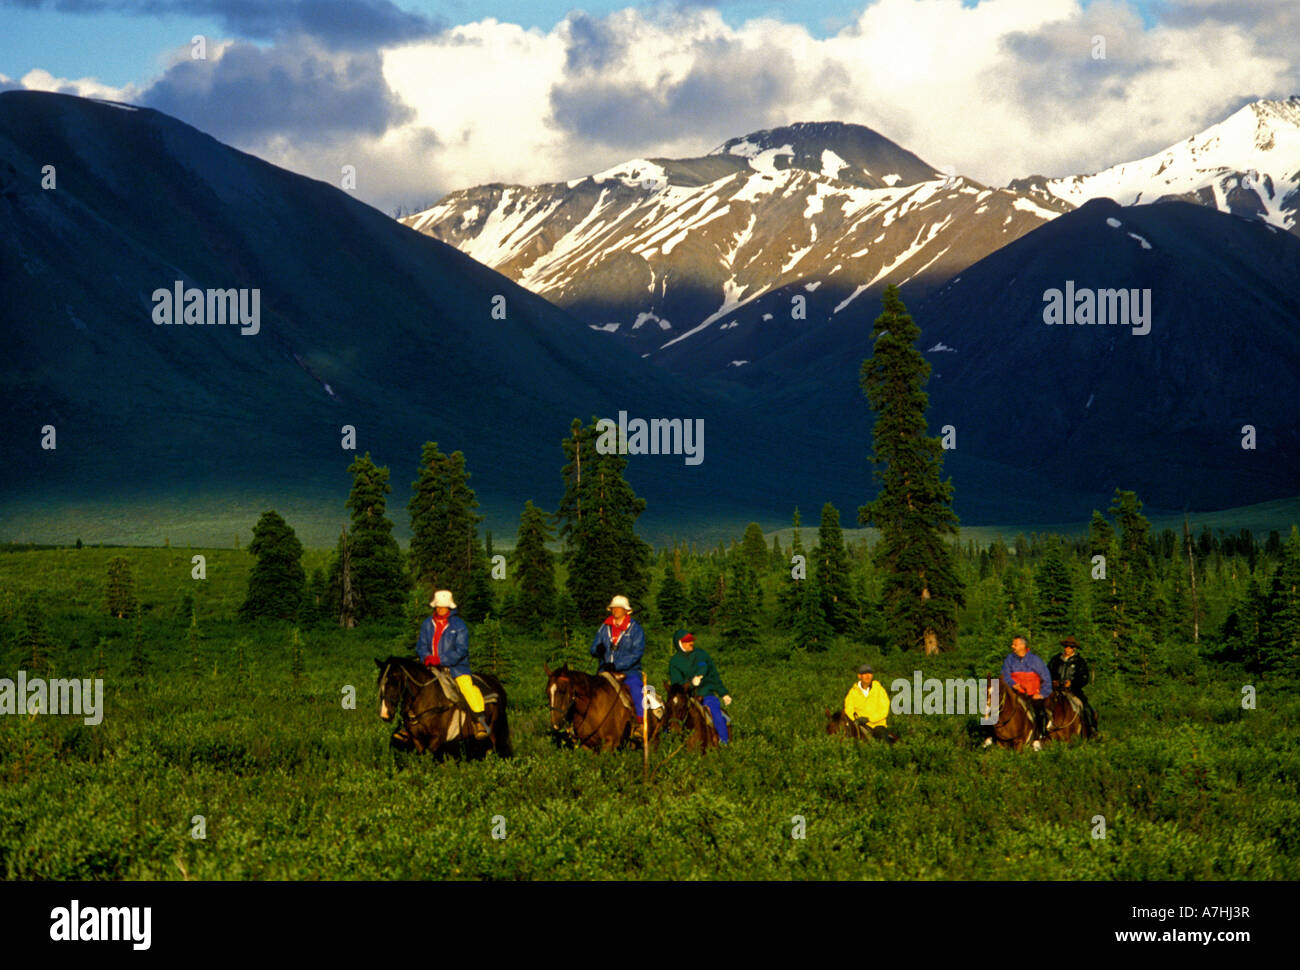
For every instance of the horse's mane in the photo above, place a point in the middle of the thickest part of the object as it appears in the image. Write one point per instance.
(405, 662)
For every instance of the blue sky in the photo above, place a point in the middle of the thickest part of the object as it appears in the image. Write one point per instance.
(122, 48)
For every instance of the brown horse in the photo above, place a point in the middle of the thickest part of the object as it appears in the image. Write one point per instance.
(684, 712)
(586, 710)
(837, 722)
(432, 720)
(1066, 720)
(1014, 727)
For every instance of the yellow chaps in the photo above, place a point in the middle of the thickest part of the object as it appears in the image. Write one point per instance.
(472, 694)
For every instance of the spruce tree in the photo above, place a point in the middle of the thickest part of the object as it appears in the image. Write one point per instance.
(1244, 629)
(533, 568)
(789, 595)
(753, 549)
(478, 601)
(920, 585)
(1105, 601)
(699, 607)
(1281, 647)
(277, 582)
(444, 525)
(809, 629)
(741, 623)
(32, 637)
(831, 566)
(120, 591)
(670, 601)
(602, 552)
(369, 563)
(1055, 598)
(1134, 586)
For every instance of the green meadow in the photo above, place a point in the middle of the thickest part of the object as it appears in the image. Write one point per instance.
(230, 758)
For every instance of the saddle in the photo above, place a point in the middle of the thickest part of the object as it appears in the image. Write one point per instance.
(625, 694)
(1028, 708)
(460, 726)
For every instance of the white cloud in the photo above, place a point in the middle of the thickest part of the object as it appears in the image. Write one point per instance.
(85, 87)
(1003, 89)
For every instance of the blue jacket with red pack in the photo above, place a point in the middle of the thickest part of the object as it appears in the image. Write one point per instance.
(451, 650)
(1022, 670)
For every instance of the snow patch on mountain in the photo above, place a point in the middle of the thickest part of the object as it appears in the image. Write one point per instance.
(832, 164)
(1255, 150)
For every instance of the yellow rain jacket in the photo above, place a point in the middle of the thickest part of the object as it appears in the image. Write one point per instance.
(874, 705)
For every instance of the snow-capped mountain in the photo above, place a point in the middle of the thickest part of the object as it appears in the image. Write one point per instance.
(709, 265)
(665, 252)
(1247, 164)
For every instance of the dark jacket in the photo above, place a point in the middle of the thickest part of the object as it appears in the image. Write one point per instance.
(453, 646)
(1074, 669)
(685, 666)
(626, 656)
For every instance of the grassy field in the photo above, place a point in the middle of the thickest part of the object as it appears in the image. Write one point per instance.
(291, 784)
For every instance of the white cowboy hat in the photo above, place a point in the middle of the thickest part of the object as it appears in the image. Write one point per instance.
(442, 598)
(620, 601)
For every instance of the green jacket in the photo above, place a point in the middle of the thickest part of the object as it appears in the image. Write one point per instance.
(684, 666)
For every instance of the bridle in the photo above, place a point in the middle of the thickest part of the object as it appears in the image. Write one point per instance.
(413, 716)
(572, 730)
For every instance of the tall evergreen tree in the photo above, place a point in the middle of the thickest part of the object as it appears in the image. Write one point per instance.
(375, 567)
(444, 525)
(1245, 628)
(1055, 597)
(277, 582)
(32, 638)
(479, 601)
(753, 549)
(533, 568)
(789, 595)
(602, 552)
(1137, 615)
(699, 603)
(809, 629)
(779, 563)
(1105, 599)
(1282, 644)
(670, 601)
(741, 625)
(120, 591)
(832, 568)
(921, 588)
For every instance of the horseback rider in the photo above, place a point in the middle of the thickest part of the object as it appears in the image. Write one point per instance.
(1070, 672)
(618, 645)
(1026, 674)
(444, 642)
(691, 665)
(867, 703)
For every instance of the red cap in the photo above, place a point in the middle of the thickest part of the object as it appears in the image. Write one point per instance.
(689, 638)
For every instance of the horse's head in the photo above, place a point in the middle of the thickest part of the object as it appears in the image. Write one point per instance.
(560, 693)
(677, 703)
(992, 706)
(390, 687)
(834, 721)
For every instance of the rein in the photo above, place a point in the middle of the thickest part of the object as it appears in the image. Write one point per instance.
(415, 716)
